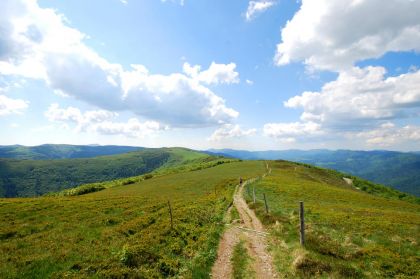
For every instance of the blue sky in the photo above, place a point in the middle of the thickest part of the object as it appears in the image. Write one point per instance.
(211, 74)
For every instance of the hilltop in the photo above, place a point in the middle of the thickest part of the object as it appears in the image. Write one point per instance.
(400, 170)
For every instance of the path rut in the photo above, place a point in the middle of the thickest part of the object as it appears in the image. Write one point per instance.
(252, 231)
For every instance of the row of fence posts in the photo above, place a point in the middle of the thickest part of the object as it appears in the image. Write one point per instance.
(301, 214)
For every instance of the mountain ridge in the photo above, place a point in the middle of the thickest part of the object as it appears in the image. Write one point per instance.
(62, 151)
(400, 170)
(25, 178)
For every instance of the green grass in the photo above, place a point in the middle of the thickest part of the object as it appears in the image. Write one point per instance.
(234, 214)
(26, 178)
(62, 151)
(197, 163)
(350, 233)
(122, 231)
(241, 262)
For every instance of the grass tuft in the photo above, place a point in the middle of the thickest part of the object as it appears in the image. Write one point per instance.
(241, 261)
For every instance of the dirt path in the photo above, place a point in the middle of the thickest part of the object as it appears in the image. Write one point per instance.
(252, 231)
(222, 268)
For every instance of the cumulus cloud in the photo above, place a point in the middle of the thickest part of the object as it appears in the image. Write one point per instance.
(361, 102)
(360, 97)
(333, 35)
(101, 122)
(11, 106)
(289, 132)
(356, 103)
(230, 131)
(389, 134)
(215, 74)
(37, 43)
(257, 7)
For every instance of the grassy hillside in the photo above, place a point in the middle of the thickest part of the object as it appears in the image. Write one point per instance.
(396, 169)
(349, 233)
(61, 151)
(123, 231)
(25, 178)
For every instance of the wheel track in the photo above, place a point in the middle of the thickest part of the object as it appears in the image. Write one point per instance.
(252, 231)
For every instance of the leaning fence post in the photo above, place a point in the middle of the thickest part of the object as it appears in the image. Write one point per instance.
(170, 213)
(266, 205)
(253, 193)
(302, 224)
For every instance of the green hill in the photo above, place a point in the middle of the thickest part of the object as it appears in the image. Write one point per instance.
(400, 170)
(24, 178)
(124, 231)
(61, 151)
(349, 233)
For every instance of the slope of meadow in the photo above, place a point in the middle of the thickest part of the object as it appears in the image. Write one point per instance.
(25, 178)
(123, 231)
(400, 170)
(62, 151)
(349, 233)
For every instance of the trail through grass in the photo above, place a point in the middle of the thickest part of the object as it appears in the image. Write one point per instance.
(241, 262)
(349, 233)
(122, 231)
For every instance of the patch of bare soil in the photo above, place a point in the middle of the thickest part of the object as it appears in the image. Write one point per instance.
(252, 231)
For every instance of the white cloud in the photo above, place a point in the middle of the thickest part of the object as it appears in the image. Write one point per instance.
(37, 43)
(11, 106)
(333, 35)
(249, 82)
(230, 131)
(359, 98)
(257, 7)
(288, 132)
(102, 122)
(388, 134)
(215, 74)
(355, 104)
(180, 2)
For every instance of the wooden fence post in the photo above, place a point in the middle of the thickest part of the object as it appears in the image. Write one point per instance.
(170, 213)
(266, 205)
(253, 193)
(302, 224)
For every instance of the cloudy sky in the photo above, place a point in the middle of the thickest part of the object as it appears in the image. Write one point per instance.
(269, 74)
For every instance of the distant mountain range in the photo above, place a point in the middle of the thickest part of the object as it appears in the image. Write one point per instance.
(62, 151)
(400, 170)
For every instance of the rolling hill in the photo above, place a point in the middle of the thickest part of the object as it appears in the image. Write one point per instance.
(349, 233)
(399, 170)
(61, 151)
(24, 178)
(124, 231)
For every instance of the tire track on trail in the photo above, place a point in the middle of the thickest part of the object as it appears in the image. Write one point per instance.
(252, 232)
